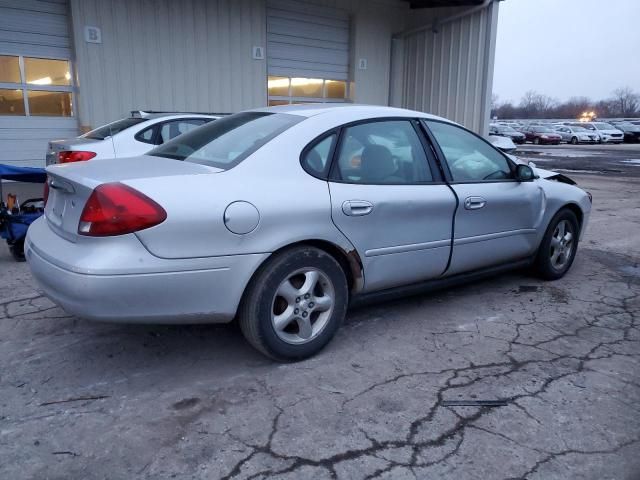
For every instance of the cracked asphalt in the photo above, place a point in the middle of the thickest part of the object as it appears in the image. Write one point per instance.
(81, 400)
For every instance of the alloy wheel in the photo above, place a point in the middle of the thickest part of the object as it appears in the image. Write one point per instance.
(561, 246)
(302, 306)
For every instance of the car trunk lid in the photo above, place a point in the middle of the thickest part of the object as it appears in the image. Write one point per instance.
(70, 185)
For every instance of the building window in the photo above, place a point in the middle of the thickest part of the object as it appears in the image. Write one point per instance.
(285, 90)
(35, 87)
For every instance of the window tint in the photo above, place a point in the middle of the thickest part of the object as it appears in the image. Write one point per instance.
(229, 140)
(388, 152)
(174, 128)
(110, 129)
(315, 159)
(470, 158)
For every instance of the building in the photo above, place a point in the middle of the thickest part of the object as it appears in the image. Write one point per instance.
(70, 65)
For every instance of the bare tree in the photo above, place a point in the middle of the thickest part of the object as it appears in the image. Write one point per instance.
(627, 102)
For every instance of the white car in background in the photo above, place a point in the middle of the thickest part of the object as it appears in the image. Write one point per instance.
(606, 132)
(127, 137)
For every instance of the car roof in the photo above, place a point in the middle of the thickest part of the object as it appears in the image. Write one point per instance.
(347, 109)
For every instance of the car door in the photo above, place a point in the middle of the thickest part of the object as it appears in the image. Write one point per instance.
(388, 199)
(497, 216)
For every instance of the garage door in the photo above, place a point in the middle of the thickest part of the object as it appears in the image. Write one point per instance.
(36, 80)
(307, 53)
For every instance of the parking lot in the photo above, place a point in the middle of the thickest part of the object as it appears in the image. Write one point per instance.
(97, 401)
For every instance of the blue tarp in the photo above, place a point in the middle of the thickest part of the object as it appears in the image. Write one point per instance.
(23, 174)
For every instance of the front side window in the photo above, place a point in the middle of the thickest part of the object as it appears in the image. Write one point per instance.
(470, 159)
(229, 140)
(384, 152)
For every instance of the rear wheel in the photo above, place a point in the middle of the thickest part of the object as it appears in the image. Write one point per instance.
(559, 246)
(536, 141)
(295, 304)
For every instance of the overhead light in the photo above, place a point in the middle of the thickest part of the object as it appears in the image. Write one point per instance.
(306, 81)
(41, 81)
(67, 76)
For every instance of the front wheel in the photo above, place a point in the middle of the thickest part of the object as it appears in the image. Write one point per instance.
(558, 247)
(574, 141)
(295, 304)
(536, 141)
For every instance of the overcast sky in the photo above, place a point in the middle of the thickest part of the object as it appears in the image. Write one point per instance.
(566, 48)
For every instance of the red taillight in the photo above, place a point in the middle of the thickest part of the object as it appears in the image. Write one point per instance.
(74, 156)
(45, 193)
(116, 209)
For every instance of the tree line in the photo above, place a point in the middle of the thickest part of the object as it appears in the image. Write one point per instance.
(623, 102)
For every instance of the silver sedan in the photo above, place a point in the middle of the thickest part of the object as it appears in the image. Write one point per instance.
(282, 217)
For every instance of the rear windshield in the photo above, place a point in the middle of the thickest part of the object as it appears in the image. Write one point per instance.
(226, 142)
(111, 129)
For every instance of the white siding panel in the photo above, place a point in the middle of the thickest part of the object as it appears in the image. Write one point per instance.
(35, 28)
(188, 55)
(450, 72)
(24, 139)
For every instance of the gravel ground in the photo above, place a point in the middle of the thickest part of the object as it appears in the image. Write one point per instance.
(83, 400)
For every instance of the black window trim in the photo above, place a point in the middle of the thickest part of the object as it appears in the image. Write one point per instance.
(331, 173)
(312, 144)
(158, 126)
(443, 162)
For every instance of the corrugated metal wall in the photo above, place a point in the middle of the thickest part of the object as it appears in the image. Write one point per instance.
(449, 72)
(187, 55)
(196, 55)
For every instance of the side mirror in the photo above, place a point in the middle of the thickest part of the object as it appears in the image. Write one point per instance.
(524, 173)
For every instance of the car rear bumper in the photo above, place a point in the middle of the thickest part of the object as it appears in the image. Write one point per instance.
(138, 287)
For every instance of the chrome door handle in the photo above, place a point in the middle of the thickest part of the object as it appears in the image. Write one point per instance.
(355, 208)
(474, 203)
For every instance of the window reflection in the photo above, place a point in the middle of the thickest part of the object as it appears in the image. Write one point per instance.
(43, 71)
(11, 102)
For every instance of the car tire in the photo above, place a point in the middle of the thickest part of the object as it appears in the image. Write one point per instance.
(536, 141)
(557, 252)
(300, 281)
(574, 141)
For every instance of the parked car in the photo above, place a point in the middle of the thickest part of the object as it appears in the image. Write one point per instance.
(127, 137)
(539, 134)
(503, 143)
(505, 131)
(606, 132)
(576, 135)
(630, 131)
(284, 216)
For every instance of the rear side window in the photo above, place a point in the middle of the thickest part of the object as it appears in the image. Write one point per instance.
(382, 152)
(174, 128)
(146, 135)
(111, 129)
(226, 142)
(315, 160)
